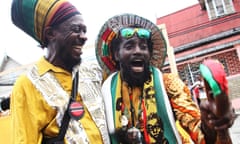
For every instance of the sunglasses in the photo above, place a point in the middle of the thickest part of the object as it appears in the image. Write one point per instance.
(129, 32)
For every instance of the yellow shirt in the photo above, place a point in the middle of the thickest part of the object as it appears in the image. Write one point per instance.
(31, 115)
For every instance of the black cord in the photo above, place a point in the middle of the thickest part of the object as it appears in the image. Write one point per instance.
(66, 117)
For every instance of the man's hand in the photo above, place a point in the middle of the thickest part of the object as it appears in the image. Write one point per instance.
(210, 118)
(216, 112)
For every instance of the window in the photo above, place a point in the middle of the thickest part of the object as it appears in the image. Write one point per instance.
(190, 71)
(219, 8)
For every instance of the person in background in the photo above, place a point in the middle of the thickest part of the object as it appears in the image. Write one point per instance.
(143, 105)
(189, 90)
(196, 93)
(40, 97)
(186, 82)
(198, 90)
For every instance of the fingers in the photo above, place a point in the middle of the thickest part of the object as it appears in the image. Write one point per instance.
(208, 116)
(223, 122)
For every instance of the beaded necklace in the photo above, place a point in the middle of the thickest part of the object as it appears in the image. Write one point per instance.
(138, 121)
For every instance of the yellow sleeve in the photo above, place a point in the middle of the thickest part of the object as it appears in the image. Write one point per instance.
(185, 109)
(29, 113)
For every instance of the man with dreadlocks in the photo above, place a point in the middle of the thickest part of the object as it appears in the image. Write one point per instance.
(58, 100)
(143, 105)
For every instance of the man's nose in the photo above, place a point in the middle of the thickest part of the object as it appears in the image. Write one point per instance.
(137, 49)
(82, 37)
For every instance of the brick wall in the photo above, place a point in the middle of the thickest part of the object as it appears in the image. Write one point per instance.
(232, 62)
(234, 86)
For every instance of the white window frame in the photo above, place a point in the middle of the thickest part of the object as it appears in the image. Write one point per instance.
(223, 5)
(213, 12)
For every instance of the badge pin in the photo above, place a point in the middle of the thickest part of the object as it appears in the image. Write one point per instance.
(76, 110)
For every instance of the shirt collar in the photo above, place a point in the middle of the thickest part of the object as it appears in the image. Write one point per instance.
(44, 66)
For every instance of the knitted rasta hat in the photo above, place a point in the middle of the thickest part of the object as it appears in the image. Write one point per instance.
(111, 28)
(213, 72)
(32, 16)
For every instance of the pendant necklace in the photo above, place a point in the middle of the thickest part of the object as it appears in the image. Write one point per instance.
(134, 134)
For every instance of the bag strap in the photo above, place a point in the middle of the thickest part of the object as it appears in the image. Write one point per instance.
(66, 117)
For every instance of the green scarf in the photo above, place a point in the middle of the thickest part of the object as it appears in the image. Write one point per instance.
(161, 104)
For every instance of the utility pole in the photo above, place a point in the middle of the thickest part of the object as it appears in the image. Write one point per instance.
(170, 51)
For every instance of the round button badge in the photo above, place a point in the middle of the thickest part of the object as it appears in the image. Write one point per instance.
(76, 110)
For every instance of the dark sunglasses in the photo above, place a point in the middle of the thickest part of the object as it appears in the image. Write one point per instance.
(129, 32)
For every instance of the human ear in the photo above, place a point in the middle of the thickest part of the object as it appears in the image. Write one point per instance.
(48, 34)
(116, 55)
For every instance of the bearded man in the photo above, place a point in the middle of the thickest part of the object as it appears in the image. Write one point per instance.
(142, 104)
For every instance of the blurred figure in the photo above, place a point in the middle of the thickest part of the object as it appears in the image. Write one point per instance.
(198, 90)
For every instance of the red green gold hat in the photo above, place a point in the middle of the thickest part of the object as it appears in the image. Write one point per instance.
(32, 16)
(213, 72)
(112, 26)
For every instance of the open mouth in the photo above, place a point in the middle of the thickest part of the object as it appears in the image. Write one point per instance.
(137, 65)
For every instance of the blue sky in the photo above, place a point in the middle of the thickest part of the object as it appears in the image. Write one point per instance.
(24, 49)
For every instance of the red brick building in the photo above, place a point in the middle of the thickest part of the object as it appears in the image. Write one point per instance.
(209, 29)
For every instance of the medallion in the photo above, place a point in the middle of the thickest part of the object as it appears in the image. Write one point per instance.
(134, 135)
(76, 110)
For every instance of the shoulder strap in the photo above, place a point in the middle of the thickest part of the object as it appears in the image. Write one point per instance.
(66, 117)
